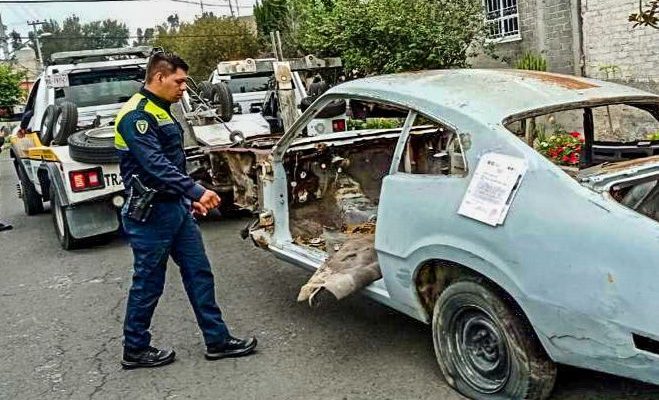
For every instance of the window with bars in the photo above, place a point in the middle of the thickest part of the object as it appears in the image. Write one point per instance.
(502, 19)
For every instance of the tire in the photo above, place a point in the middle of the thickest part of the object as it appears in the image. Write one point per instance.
(331, 110)
(65, 122)
(317, 88)
(222, 98)
(205, 90)
(47, 123)
(95, 146)
(32, 202)
(60, 222)
(469, 320)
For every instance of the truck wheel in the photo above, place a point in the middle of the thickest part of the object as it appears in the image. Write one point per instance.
(66, 122)
(32, 203)
(61, 224)
(47, 123)
(95, 146)
(333, 109)
(205, 90)
(485, 348)
(222, 98)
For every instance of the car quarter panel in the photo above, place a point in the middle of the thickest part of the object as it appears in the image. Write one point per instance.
(582, 268)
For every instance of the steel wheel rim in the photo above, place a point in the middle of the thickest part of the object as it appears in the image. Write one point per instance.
(100, 133)
(479, 350)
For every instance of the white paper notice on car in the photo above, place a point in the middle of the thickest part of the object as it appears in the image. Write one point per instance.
(57, 80)
(493, 188)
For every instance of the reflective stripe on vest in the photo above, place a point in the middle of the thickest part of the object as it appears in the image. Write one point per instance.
(133, 104)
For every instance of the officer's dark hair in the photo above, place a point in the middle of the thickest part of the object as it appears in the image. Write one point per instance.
(164, 62)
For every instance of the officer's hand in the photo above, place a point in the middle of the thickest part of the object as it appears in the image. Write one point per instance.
(197, 208)
(21, 133)
(210, 199)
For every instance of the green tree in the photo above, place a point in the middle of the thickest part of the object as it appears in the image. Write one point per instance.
(271, 16)
(208, 40)
(648, 16)
(144, 37)
(173, 22)
(383, 36)
(10, 85)
(104, 34)
(73, 35)
(16, 40)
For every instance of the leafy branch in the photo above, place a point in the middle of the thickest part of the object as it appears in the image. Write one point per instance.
(648, 16)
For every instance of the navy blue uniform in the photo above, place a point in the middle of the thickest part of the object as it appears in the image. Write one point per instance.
(150, 145)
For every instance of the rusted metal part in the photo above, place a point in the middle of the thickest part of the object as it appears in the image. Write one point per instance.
(590, 103)
(351, 268)
(241, 168)
(622, 166)
(567, 82)
(266, 219)
(250, 66)
(261, 237)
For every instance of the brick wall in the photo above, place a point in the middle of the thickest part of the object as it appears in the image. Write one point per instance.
(558, 35)
(631, 54)
(546, 27)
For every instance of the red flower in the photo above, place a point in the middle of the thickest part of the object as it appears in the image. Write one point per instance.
(575, 134)
(565, 159)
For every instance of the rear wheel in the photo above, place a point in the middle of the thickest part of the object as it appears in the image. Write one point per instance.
(66, 122)
(205, 89)
(333, 109)
(486, 348)
(62, 231)
(47, 124)
(32, 202)
(222, 98)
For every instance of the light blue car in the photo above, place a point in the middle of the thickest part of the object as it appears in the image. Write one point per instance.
(514, 211)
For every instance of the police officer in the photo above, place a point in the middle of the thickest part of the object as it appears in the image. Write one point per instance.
(149, 143)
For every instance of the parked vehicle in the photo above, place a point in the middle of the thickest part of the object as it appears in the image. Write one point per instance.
(69, 159)
(455, 218)
(251, 87)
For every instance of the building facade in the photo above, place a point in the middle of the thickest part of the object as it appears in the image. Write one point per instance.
(582, 37)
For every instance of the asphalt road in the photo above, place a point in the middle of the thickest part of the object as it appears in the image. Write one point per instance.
(61, 314)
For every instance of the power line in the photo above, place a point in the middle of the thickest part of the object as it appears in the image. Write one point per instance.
(113, 1)
(48, 38)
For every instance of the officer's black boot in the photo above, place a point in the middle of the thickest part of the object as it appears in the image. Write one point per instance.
(147, 358)
(232, 347)
(5, 227)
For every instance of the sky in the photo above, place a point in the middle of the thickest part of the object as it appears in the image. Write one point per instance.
(136, 14)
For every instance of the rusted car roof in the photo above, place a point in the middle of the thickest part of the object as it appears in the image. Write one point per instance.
(488, 95)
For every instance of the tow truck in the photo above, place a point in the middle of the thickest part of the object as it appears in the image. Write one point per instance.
(68, 159)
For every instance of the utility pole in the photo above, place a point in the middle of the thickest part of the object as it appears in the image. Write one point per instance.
(201, 3)
(231, 8)
(36, 39)
(3, 40)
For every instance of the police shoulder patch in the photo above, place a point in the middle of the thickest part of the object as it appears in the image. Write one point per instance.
(141, 125)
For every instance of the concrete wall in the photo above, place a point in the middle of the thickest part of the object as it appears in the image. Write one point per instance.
(629, 55)
(547, 27)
